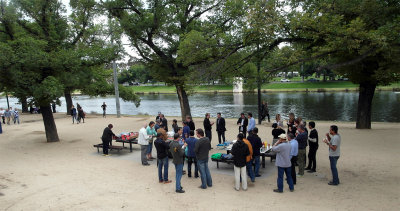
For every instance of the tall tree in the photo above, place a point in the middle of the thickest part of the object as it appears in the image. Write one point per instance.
(361, 39)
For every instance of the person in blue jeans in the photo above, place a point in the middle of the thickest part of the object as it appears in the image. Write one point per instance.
(256, 144)
(282, 149)
(334, 152)
(202, 148)
(191, 156)
(177, 152)
(162, 148)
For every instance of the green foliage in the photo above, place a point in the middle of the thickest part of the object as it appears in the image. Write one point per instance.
(48, 90)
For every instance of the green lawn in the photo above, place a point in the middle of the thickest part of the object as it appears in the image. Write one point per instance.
(310, 85)
(171, 89)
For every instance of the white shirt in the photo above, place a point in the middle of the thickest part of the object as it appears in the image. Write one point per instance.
(142, 139)
(2, 112)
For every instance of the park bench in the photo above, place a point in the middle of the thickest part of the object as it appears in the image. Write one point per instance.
(111, 147)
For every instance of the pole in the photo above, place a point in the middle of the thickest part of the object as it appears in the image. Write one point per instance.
(259, 88)
(114, 65)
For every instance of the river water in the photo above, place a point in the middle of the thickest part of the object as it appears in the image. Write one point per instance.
(330, 106)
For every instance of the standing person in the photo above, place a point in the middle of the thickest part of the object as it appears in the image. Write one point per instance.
(158, 124)
(190, 123)
(220, 128)
(252, 122)
(256, 144)
(53, 106)
(276, 131)
(1, 129)
(177, 152)
(151, 132)
(104, 107)
(278, 120)
(290, 124)
(293, 155)
(282, 149)
(175, 125)
(185, 130)
(162, 148)
(143, 142)
(164, 122)
(191, 155)
(312, 153)
(107, 138)
(2, 116)
(302, 138)
(265, 111)
(240, 151)
(202, 148)
(16, 116)
(208, 126)
(7, 115)
(242, 122)
(81, 115)
(73, 114)
(334, 152)
(158, 116)
(78, 106)
(249, 161)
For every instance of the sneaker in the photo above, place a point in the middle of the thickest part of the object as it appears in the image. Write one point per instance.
(168, 181)
(202, 187)
(180, 191)
(278, 191)
(331, 183)
(146, 164)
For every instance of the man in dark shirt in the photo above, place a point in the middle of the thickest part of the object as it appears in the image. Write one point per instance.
(256, 144)
(164, 122)
(220, 128)
(242, 122)
(202, 148)
(191, 155)
(208, 126)
(177, 152)
(276, 131)
(162, 158)
(301, 138)
(313, 142)
(190, 123)
(107, 138)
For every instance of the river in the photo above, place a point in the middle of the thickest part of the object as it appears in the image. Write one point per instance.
(328, 106)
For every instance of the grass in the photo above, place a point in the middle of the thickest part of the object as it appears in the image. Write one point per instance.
(278, 86)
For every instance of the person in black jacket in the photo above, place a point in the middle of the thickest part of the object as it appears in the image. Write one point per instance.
(256, 144)
(107, 138)
(164, 122)
(220, 128)
(239, 152)
(313, 142)
(208, 126)
(242, 122)
(162, 148)
(190, 123)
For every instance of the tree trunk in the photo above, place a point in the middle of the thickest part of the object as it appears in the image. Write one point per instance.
(183, 101)
(24, 104)
(365, 96)
(68, 100)
(49, 124)
(259, 93)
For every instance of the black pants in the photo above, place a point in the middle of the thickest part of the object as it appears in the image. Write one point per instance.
(221, 133)
(244, 132)
(196, 170)
(4, 119)
(208, 134)
(105, 146)
(293, 161)
(312, 161)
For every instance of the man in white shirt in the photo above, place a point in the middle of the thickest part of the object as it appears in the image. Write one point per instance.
(334, 152)
(143, 142)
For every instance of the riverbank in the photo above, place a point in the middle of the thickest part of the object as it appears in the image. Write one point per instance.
(71, 175)
(337, 86)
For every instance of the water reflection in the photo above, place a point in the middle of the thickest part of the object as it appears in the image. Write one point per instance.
(335, 106)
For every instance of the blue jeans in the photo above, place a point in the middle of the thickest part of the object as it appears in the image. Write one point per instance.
(205, 175)
(335, 176)
(161, 163)
(179, 170)
(287, 171)
(149, 148)
(257, 165)
(249, 169)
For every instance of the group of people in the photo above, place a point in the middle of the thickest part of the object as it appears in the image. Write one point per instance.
(289, 146)
(77, 114)
(9, 115)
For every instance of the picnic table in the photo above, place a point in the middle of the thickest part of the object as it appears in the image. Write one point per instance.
(128, 141)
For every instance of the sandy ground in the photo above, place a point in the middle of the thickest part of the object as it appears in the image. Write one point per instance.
(71, 175)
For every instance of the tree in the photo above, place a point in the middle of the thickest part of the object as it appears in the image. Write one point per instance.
(360, 39)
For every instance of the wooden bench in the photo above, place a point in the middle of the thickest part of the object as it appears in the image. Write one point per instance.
(111, 147)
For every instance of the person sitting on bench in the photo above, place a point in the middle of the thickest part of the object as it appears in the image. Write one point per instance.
(107, 138)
